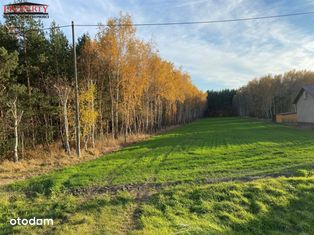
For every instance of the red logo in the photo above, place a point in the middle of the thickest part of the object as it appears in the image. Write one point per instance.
(27, 9)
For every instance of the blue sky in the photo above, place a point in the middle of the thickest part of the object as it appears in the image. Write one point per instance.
(222, 55)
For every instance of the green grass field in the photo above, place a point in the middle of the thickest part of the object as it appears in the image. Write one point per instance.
(213, 176)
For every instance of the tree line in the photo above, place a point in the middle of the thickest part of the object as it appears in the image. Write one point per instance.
(125, 87)
(272, 94)
(220, 103)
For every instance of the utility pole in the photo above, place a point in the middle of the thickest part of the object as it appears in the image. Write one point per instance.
(77, 116)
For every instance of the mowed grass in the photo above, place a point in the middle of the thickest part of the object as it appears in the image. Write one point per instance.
(226, 150)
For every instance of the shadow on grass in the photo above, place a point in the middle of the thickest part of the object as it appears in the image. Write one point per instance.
(194, 153)
(282, 206)
(60, 209)
(296, 217)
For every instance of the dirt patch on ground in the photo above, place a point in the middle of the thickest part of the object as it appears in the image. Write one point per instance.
(11, 172)
(141, 189)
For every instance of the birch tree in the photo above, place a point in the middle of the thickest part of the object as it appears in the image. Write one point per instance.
(63, 94)
(17, 117)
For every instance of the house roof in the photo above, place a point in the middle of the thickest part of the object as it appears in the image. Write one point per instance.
(308, 88)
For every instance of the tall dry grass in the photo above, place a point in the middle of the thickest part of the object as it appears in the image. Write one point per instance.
(40, 160)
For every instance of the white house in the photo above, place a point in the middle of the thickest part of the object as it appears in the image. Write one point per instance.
(304, 103)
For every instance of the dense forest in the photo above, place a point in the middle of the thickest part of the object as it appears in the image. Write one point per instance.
(125, 87)
(220, 103)
(269, 95)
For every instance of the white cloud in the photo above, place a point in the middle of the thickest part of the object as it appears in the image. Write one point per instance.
(216, 55)
(231, 54)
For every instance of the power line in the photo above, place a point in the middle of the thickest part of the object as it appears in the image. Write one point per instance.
(30, 30)
(58, 27)
(202, 22)
(185, 22)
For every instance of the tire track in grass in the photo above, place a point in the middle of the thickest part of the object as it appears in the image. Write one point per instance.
(145, 188)
(187, 155)
(165, 156)
(114, 174)
(144, 192)
(131, 223)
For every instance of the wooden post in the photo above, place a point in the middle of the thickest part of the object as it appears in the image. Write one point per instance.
(77, 116)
